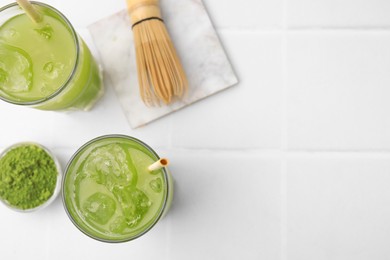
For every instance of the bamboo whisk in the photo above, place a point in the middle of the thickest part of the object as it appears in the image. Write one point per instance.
(160, 74)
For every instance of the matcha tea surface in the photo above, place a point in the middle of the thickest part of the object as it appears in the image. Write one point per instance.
(36, 59)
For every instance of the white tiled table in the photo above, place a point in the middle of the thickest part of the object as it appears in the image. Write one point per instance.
(293, 163)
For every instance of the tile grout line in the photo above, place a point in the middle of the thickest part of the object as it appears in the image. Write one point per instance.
(284, 139)
(340, 28)
(249, 30)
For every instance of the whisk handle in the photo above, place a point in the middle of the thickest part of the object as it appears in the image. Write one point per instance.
(143, 9)
(132, 4)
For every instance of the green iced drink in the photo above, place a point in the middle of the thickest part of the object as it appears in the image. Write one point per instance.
(45, 65)
(110, 194)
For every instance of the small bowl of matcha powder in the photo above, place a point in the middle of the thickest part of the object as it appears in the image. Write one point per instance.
(30, 177)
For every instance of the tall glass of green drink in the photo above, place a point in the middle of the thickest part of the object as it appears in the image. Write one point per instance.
(45, 64)
(109, 193)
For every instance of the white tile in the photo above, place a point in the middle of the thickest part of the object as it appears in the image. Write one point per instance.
(338, 13)
(81, 15)
(338, 84)
(245, 14)
(23, 234)
(226, 206)
(338, 208)
(247, 115)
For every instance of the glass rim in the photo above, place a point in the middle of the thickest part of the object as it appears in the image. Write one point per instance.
(75, 67)
(160, 213)
(57, 188)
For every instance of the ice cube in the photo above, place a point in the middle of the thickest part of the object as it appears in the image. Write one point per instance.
(118, 224)
(15, 69)
(53, 69)
(108, 166)
(3, 75)
(140, 161)
(142, 201)
(44, 89)
(134, 203)
(46, 31)
(99, 207)
(48, 67)
(9, 34)
(156, 185)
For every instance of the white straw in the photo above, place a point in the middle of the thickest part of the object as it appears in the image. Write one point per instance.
(30, 10)
(163, 162)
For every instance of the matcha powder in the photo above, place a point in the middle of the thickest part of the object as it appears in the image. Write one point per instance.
(28, 176)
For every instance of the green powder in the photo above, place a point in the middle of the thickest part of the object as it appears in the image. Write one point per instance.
(28, 176)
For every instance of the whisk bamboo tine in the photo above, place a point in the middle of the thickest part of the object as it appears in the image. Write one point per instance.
(160, 74)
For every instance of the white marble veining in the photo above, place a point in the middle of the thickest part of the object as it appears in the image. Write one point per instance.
(204, 59)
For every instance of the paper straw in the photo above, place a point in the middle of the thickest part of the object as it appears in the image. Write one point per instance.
(30, 10)
(163, 162)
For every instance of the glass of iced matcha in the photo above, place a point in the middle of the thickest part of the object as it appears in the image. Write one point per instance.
(45, 64)
(110, 194)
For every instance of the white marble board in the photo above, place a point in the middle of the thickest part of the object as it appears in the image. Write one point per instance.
(204, 59)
